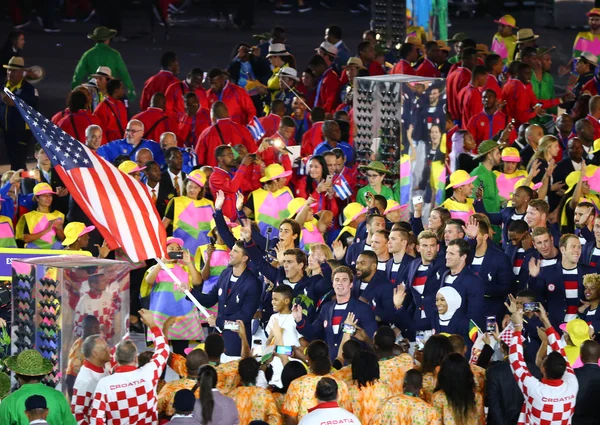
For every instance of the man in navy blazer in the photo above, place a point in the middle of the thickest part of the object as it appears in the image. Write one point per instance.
(237, 293)
(373, 287)
(396, 268)
(590, 253)
(468, 284)
(560, 286)
(423, 281)
(374, 222)
(494, 268)
(328, 325)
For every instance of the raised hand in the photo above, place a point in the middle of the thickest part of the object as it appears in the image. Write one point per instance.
(512, 306)
(219, 200)
(471, 229)
(534, 267)
(399, 295)
(239, 200)
(339, 250)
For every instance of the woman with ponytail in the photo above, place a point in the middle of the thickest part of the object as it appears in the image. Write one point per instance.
(212, 407)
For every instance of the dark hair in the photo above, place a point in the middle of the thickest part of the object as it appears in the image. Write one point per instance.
(430, 46)
(194, 360)
(145, 357)
(12, 37)
(299, 254)
(171, 150)
(317, 60)
(77, 101)
(527, 293)
(335, 31)
(277, 105)
(385, 338)
(311, 184)
(468, 43)
(317, 114)
(248, 370)
(343, 269)
(234, 53)
(290, 372)
(286, 291)
(384, 232)
(189, 95)
(555, 365)
(338, 153)
(491, 60)
(456, 379)
(296, 229)
(350, 350)
(327, 390)
(318, 354)
(463, 246)
(519, 226)
(362, 46)
(113, 85)
(338, 115)
(414, 379)
(527, 190)
(478, 70)
(381, 201)
(365, 368)
(214, 345)
(370, 255)
(371, 217)
(167, 58)
(240, 245)
(278, 32)
(207, 380)
(468, 53)
(436, 348)
(215, 72)
(221, 150)
(458, 343)
(405, 50)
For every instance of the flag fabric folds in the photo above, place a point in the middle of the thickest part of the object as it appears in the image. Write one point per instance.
(341, 187)
(256, 129)
(119, 206)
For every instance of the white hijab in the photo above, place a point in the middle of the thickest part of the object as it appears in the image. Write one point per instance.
(453, 300)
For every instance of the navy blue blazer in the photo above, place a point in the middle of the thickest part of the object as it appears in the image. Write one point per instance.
(321, 328)
(498, 280)
(236, 302)
(586, 254)
(595, 321)
(502, 218)
(402, 273)
(471, 289)
(550, 289)
(379, 294)
(354, 251)
(458, 325)
(524, 273)
(415, 301)
(520, 279)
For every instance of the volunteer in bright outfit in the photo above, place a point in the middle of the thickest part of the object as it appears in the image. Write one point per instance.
(77, 236)
(167, 298)
(43, 227)
(510, 174)
(7, 233)
(132, 169)
(460, 204)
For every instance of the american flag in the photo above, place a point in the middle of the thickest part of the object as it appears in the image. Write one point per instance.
(341, 187)
(256, 129)
(119, 206)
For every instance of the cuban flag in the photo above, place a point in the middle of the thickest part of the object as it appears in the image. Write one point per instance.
(341, 187)
(256, 129)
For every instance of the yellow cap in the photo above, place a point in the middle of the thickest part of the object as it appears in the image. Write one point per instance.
(274, 171)
(596, 146)
(197, 177)
(352, 211)
(74, 230)
(578, 331)
(392, 206)
(129, 167)
(43, 189)
(573, 178)
(460, 178)
(511, 155)
(296, 205)
(235, 228)
(507, 20)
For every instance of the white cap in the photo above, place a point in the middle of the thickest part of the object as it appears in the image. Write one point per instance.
(328, 48)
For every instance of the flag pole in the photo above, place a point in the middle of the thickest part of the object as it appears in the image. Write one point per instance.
(185, 291)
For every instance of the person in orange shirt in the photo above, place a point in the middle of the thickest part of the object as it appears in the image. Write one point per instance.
(368, 392)
(436, 348)
(155, 121)
(159, 83)
(392, 368)
(458, 343)
(176, 91)
(291, 371)
(349, 349)
(254, 403)
(78, 117)
(300, 396)
(112, 111)
(465, 406)
(407, 408)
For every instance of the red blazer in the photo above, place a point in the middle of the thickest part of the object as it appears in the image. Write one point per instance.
(158, 83)
(113, 116)
(311, 138)
(428, 69)
(403, 67)
(240, 106)
(174, 95)
(455, 82)
(187, 130)
(229, 184)
(156, 122)
(270, 124)
(232, 134)
(483, 127)
(327, 96)
(471, 104)
(75, 124)
(491, 83)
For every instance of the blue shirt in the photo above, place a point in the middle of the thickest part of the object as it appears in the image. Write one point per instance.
(112, 150)
(345, 147)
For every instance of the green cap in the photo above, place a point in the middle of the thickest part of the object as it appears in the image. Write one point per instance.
(459, 36)
(486, 147)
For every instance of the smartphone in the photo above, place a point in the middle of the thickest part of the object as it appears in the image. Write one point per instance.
(490, 324)
(420, 340)
(329, 178)
(531, 307)
(349, 329)
(417, 200)
(286, 350)
(537, 105)
(230, 325)
(175, 255)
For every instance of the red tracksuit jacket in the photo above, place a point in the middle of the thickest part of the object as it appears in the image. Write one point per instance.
(470, 101)
(75, 124)
(491, 83)
(520, 100)
(158, 83)
(187, 130)
(232, 134)
(483, 126)
(312, 137)
(428, 69)
(327, 96)
(113, 116)
(240, 106)
(174, 95)
(270, 124)
(403, 67)
(455, 82)
(156, 122)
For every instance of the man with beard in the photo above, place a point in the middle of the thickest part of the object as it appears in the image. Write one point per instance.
(373, 287)
(429, 114)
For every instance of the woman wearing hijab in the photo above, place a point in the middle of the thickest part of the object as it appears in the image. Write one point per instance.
(447, 320)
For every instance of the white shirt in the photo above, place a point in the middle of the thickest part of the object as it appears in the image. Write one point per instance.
(179, 180)
(450, 279)
(381, 265)
(288, 326)
(330, 414)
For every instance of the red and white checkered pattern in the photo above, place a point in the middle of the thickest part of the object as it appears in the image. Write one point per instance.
(129, 396)
(103, 308)
(547, 402)
(507, 334)
(83, 389)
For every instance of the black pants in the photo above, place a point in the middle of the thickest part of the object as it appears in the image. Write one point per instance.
(16, 144)
(179, 346)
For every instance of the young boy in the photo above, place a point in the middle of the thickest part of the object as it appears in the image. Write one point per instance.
(283, 296)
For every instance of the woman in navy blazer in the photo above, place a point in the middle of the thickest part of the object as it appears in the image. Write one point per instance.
(448, 318)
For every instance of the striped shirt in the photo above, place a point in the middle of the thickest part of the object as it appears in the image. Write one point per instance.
(518, 263)
(571, 279)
